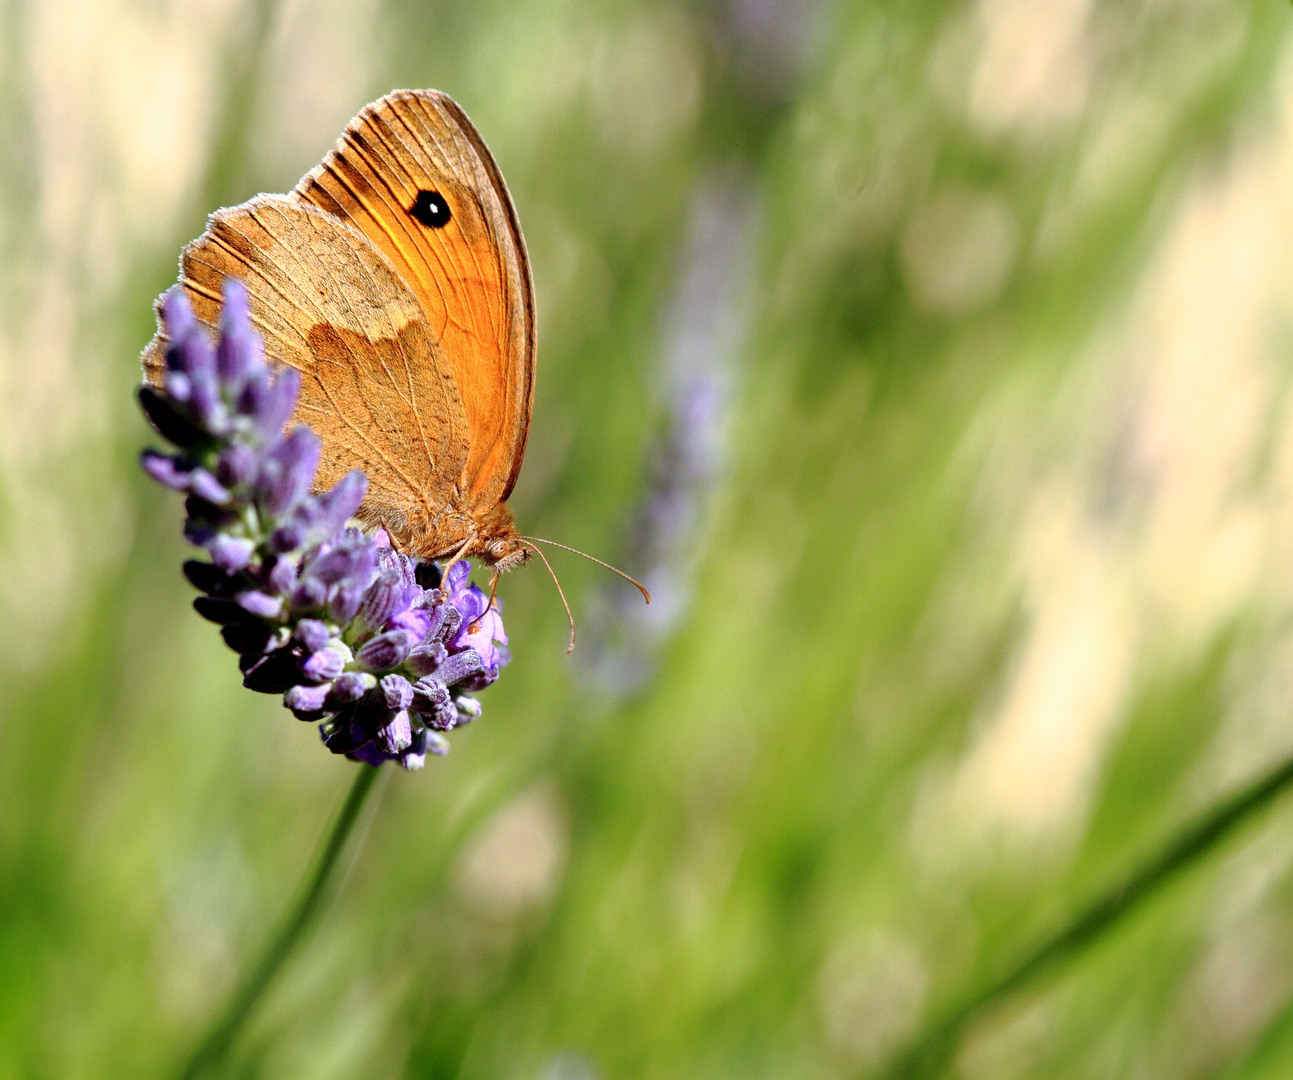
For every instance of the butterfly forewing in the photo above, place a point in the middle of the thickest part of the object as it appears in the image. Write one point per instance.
(415, 178)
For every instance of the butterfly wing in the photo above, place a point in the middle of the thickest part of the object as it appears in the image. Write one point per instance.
(413, 175)
(374, 385)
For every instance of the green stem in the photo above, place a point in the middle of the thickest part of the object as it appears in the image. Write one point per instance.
(927, 1056)
(218, 1040)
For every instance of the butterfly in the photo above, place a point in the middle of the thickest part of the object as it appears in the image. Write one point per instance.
(394, 277)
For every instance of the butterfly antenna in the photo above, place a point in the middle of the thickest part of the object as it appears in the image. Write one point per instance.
(560, 593)
(614, 570)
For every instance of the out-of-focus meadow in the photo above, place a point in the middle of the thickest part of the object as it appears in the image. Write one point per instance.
(932, 362)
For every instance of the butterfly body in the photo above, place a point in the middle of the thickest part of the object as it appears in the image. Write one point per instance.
(395, 279)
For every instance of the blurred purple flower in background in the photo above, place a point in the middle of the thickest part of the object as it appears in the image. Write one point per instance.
(354, 635)
(704, 328)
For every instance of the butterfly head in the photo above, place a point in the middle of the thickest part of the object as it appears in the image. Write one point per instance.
(506, 553)
(496, 542)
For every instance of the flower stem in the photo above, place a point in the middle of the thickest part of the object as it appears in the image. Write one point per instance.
(929, 1053)
(218, 1040)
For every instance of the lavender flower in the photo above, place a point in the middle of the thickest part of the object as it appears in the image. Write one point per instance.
(354, 635)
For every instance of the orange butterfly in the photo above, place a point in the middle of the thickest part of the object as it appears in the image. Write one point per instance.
(395, 278)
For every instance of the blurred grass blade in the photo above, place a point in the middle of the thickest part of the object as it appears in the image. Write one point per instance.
(930, 1052)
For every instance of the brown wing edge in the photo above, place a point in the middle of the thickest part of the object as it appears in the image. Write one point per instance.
(529, 361)
(440, 100)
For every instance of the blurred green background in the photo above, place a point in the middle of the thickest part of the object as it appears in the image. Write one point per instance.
(931, 360)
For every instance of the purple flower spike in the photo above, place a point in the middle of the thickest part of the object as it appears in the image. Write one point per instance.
(352, 633)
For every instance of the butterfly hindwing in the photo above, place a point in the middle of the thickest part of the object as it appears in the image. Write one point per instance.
(374, 386)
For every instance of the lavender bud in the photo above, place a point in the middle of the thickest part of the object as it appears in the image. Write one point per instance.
(468, 709)
(218, 611)
(240, 349)
(309, 593)
(351, 686)
(429, 695)
(205, 486)
(236, 466)
(170, 422)
(435, 744)
(231, 553)
(269, 403)
(287, 472)
(340, 504)
(426, 658)
(190, 354)
(177, 313)
(383, 599)
(344, 602)
(206, 577)
(204, 399)
(385, 651)
(281, 577)
(396, 735)
(313, 634)
(165, 470)
(460, 666)
(398, 692)
(248, 637)
(340, 563)
(307, 699)
(287, 537)
(261, 604)
(324, 665)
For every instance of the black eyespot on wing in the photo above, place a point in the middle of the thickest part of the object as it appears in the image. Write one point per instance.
(431, 209)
